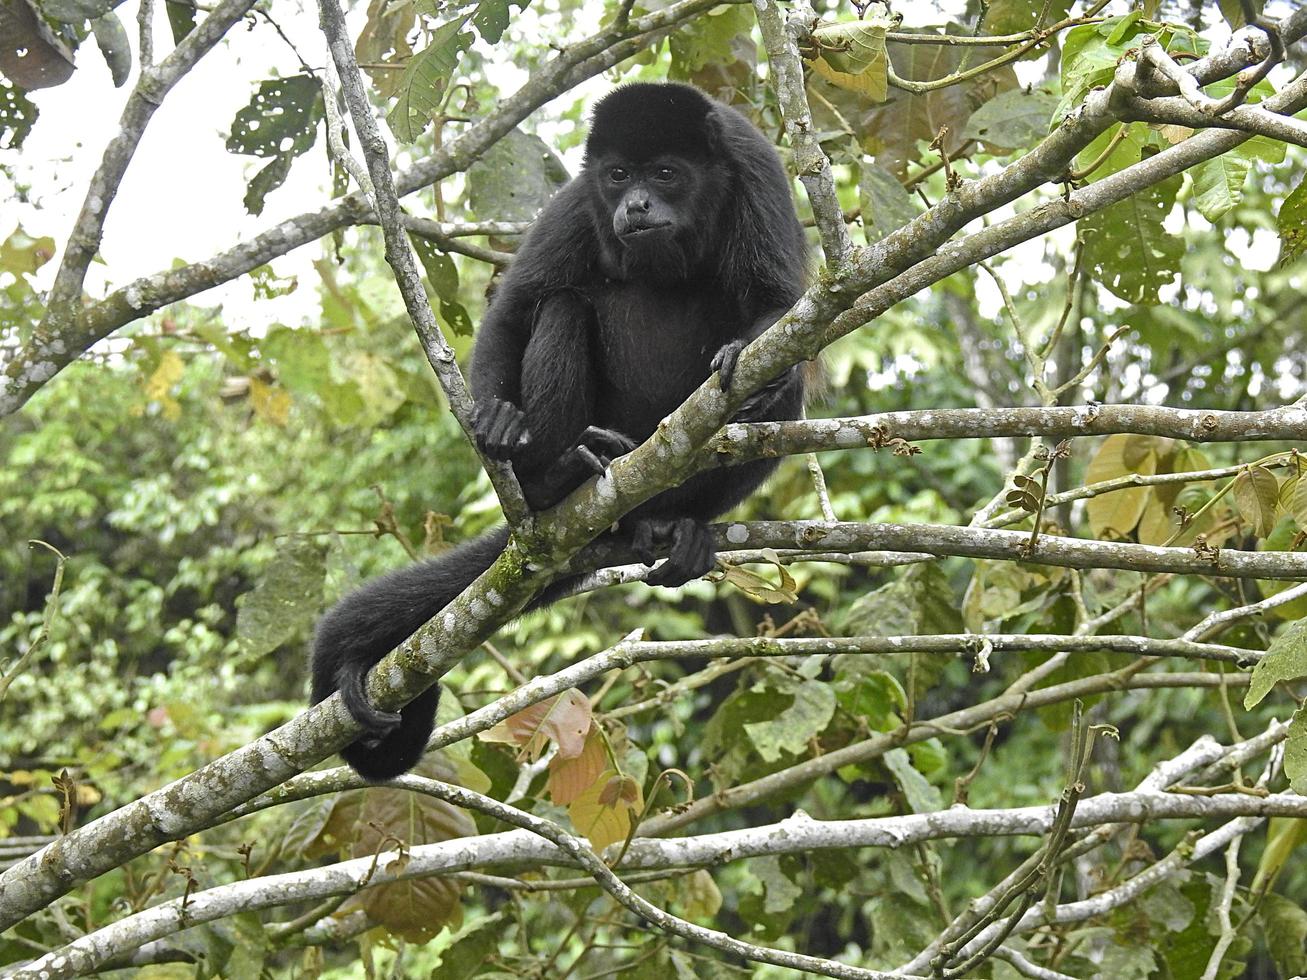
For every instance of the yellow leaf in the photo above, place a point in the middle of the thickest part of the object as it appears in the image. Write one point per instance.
(603, 813)
(1296, 501)
(758, 588)
(698, 895)
(270, 403)
(158, 386)
(1257, 496)
(852, 56)
(1115, 514)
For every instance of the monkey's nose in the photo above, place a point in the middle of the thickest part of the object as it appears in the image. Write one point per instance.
(637, 205)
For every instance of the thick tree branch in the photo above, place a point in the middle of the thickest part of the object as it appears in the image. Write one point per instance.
(541, 842)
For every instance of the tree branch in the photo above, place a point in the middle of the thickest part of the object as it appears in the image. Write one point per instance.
(403, 263)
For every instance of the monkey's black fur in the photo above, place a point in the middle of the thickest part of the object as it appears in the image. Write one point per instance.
(674, 247)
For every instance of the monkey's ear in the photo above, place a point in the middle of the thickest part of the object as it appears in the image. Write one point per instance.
(714, 132)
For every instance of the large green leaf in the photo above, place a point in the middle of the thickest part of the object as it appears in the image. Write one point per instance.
(280, 122)
(1128, 249)
(425, 80)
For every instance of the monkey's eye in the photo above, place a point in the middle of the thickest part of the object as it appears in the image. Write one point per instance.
(664, 175)
(619, 176)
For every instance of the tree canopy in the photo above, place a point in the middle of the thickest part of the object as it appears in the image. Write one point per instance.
(1001, 675)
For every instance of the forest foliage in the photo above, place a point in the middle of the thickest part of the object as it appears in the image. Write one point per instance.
(182, 501)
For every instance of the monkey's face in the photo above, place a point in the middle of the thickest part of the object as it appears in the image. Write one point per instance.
(661, 211)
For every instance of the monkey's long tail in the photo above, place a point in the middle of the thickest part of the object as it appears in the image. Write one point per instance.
(374, 619)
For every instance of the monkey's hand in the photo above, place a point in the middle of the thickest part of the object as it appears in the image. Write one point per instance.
(690, 549)
(723, 362)
(597, 448)
(500, 428)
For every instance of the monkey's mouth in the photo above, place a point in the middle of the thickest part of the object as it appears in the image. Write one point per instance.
(634, 231)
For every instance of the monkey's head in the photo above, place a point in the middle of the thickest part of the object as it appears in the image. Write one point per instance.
(658, 179)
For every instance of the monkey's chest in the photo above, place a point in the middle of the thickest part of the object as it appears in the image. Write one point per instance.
(653, 348)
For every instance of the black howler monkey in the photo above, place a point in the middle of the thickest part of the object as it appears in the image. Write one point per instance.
(675, 246)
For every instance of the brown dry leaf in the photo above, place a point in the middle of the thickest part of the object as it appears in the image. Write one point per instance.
(565, 719)
(569, 778)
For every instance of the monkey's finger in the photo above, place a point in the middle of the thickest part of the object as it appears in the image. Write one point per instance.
(724, 363)
(592, 462)
(609, 442)
(642, 542)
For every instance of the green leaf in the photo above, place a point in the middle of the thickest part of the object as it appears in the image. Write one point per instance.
(922, 797)
(1123, 29)
(875, 697)
(515, 178)
(792, 729)
(17, 115)
(1126, 247)
(885, 203)
(1285, 660)
(1284, 835)
(781, 891)
(1014, 16)
(471, 949)
(456, 318)
(1284, 923)
(287, 599)
(1232, 11)
(1291, 223)
(75, 11)
(919, 600)
(1295, 752)
(280, 122)
(425, 79)
(181, 19)
(111, 39)
(440, 268)
(267, 180)
(708, 40)
(281, 110)
(1218, 184)
(1012, 119)
(491, 19)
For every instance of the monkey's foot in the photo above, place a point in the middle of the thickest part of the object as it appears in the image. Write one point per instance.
(723, 362)
(500, 428)
(690, 549)
(597, 448)
(377, 724)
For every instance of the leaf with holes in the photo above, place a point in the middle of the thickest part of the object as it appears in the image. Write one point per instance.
(1128, 249)
(279, 123)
